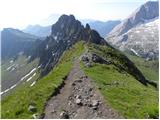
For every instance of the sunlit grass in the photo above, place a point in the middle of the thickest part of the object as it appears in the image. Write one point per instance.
(16, 104)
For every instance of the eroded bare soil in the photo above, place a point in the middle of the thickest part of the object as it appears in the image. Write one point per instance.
(78, 99)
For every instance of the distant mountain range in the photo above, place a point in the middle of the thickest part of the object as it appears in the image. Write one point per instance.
(103, 28)
(64, 33)
(16, 42)
(138, 33)
(71, 52)
(38, 30)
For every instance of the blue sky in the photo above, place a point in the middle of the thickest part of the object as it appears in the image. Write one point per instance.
(20, 13)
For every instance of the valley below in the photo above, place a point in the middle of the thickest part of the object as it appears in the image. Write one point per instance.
(77, 88)
(82, 69)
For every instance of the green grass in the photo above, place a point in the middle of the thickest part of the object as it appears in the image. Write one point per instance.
(20, 72)
(150, 69)
(16, 104)
(122, 91)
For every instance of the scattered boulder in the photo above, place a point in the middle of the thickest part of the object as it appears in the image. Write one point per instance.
(88, 64)
(90, 89)
(64, 115)
(95, 107)
(85, 58)
(53, 111)
(32, 108)
(86, 92)
(79, 80)
(35, 116)
(98, 59)
(78, 97)
(69, 103)
(91, 95)
(88, 58)
(70, 98)
(78, 101)
(41, 116)
(73, 84)
(84, 77)
(95, 103)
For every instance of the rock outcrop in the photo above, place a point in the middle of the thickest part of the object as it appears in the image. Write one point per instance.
(90, 58)
(65, 32)
(138, 34)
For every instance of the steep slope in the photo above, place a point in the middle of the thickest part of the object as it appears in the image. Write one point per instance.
(120, 88)
(139, 32)
(113, 83)
(16, 42)
(103, 28)
(16, 51)
(15, 72)
(65, 32)
(38, 30)
(150, 69)
(70, 41)
(76, 97)
(141, 40)
(149, 10)
(38, 93)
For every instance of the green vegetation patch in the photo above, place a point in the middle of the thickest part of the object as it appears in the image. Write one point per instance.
(150, 69)
(16, 104)
(23, 68)
(121, 90)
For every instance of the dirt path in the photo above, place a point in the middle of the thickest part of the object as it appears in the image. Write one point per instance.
(78, 99)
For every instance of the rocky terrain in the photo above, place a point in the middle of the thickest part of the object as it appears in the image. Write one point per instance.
(103, 28)
(62, 87)
(78, 98)
(65, 32)
(138, 33)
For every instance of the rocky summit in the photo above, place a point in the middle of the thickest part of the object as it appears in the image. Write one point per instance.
(138, 33)
(73, 73)
(65, 32)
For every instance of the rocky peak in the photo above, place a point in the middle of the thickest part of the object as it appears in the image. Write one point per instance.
(146, 12)
(71, 29)
(87, 26)
(65, 32)
(138, 34)
(151, 9)
(66, 25)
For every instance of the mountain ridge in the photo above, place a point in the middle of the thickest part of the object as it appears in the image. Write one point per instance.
(15, 41)
(114, 75)
(147, 11)
(103, 28)
(138, 33)
(65, 32)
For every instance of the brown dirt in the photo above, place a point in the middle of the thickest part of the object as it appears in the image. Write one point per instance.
(78, 87)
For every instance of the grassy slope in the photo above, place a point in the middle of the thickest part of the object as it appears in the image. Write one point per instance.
(150, 69)
(16, 104)
(129, 97)
(21, 71)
